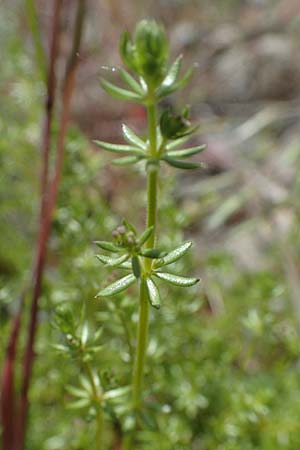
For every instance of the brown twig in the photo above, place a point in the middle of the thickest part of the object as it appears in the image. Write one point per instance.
(8, 396)
(9, 411)
(48, 208)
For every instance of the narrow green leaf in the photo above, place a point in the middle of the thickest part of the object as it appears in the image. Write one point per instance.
(60, 348)
(119, 93)
(177, 143)
(136, 268)
(176, 279)
(129, 226)
(159, 137)
(118, 392)
(107, 260)
(83, 403)
(181, 164)
(133, 138)
(119, 148)
(86, 384)
(119, 261)
(145, 236)
(174, 255)
(152, 253)
(163, 91)
(108, 246)
(118, 286)
(135, 86)
(84, 333)
(112, 262)
(144, 84)
(186, 152)
(77, 392)
(173, 72)
(127, 161)
(153, 293)
(126, 265)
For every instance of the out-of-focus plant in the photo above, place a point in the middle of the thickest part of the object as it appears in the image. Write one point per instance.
(14, 402)
(147, 56)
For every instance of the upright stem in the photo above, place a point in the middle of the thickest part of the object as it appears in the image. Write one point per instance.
(99, 415)
(142, 329)
(142, 337)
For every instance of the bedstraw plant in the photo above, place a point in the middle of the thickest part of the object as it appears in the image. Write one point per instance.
(138, 255)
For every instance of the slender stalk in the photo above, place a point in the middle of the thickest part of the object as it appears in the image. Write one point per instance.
(99, 416)
(142, 338)
(142, 329)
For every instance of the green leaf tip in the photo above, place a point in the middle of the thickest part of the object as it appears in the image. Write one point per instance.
(107, 246)
(153, 293)
(186, 152)
(112, 262)
(145, 235)
(119, 93)
(173, 255)
(177, 280)
(119, 148)
(181, 164)
(117, 287)
(126, 161)
(133, 139)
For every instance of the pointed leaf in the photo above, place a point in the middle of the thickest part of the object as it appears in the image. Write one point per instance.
(144, 84)
(133, 138)
(153, 293)
(83, 403)
(85, 383)
(118, 286)
(84, 333)
(186, 152)
(176, 279)
(119, 93)
(77, 392)
(136, 268)
(177, 143)
(127, 161)
(112, 262)
(107, 260)
(135, 86)
(145, 236)
(126, 265)
(181, 164)
(108, 246)
(119, 148)
(118, 392)
(173, 72)
(129, 226)
(174, 255)
(159, 137)
(163, 91)
(152, 253)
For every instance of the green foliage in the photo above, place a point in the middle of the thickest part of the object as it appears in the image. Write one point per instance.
(226, 381)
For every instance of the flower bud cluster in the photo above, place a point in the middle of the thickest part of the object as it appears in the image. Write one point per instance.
(124, 238)
(148, 54)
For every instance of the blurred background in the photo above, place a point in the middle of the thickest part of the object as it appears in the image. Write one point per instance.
(223, 357)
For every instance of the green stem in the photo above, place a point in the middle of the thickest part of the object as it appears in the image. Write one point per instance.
(142, 337)
(99, 414)
(142, 329)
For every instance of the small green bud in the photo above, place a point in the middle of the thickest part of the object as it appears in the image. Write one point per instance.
(127, 51)
(175, 126)
(148, 54)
